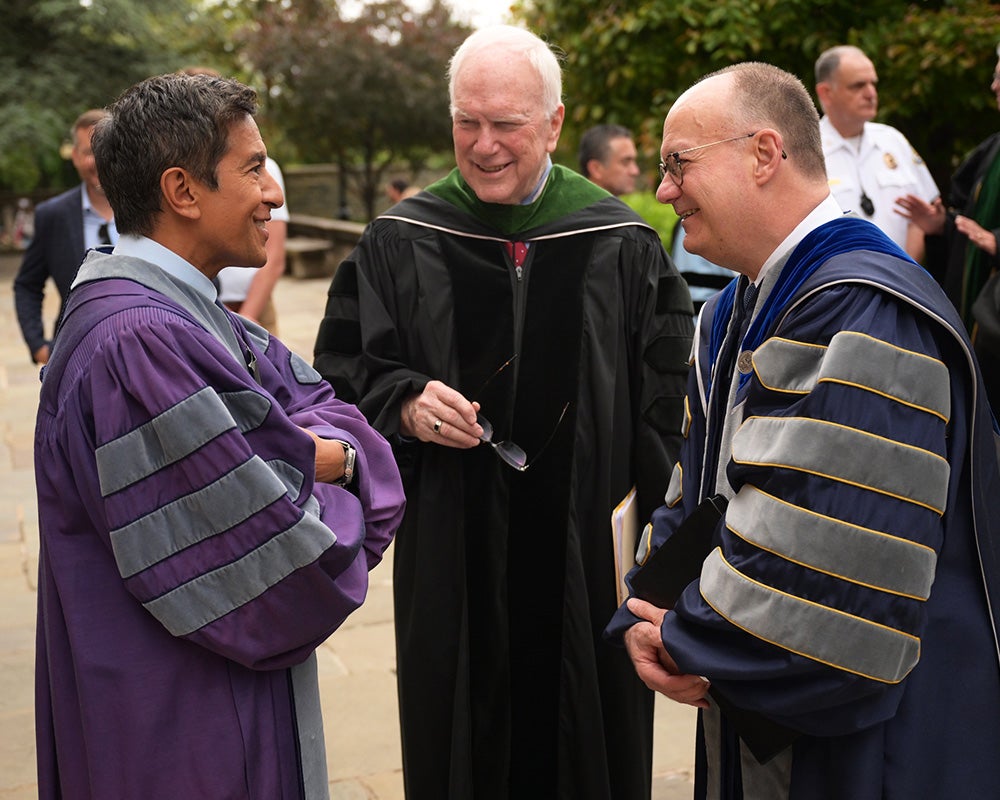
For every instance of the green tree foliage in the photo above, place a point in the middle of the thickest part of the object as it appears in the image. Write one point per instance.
(627, 62)
(368, 91)
(61, 57)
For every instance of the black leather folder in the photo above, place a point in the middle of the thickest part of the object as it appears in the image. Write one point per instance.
(669, 570)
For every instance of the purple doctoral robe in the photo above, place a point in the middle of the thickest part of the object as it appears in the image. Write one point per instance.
(190, 564)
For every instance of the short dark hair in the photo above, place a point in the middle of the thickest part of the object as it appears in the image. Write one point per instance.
(162, 122)
(595, 143)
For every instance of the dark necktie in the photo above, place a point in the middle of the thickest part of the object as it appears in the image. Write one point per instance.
(744, 358)
(746, 296)
(730, 358)
(749, 301)
(102, 234)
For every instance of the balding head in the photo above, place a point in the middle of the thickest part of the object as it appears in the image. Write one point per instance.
(743, 144)
(764, 96)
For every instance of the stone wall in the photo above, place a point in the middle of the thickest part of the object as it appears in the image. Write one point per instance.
(314, 190)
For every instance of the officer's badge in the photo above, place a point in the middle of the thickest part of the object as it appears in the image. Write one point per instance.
(890, 161)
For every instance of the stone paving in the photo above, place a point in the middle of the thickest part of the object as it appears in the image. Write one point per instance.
(356, 664)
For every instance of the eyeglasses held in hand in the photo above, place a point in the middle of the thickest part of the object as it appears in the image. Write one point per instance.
(512, 454)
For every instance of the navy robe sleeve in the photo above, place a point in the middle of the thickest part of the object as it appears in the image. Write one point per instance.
(824, 455)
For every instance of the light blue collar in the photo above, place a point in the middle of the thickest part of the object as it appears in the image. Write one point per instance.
(167, 260)
(531, 198)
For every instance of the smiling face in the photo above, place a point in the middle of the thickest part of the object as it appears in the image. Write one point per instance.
(502, 132)
(232, 224)
(713, 199)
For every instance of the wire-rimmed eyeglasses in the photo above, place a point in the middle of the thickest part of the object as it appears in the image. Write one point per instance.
(512, 454)
(673, 165)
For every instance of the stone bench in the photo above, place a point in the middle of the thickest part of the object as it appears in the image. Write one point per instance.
(306, 257)
(340, 236)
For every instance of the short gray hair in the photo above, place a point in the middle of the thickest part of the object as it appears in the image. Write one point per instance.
(767, 96)
(829, 60)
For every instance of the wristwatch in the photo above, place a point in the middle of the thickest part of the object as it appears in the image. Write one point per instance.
(350, 454)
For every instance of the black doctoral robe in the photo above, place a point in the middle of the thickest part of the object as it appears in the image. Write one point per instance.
(504, 580)
(967, 268)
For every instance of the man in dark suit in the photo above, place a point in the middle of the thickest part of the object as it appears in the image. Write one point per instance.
(65, 228)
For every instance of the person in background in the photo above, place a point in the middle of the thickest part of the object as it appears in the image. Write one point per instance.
(970, 229)
(869, 164)
(522, 339)
(608, 158)
(24, 224)
(848, 591)
(66, 226)
(399, 189)
(208, 510)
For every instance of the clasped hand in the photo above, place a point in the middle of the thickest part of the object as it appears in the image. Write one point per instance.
(653, 663)
(329, 458)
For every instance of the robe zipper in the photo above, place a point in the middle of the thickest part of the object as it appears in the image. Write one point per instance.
(520, 302)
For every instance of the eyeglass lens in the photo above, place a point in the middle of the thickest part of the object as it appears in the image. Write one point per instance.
(671, 167)
(509, 452)
(674, 166)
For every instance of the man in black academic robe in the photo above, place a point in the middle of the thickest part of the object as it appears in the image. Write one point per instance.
(521, 291)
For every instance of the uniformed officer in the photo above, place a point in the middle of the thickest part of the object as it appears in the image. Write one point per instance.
(868, 164)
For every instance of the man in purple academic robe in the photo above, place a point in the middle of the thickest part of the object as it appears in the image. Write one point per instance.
(208, 510)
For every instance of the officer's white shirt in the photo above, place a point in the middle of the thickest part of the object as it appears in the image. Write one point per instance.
(885, 166)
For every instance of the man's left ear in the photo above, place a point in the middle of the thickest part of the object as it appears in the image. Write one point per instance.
(770, 152)
(180, 193)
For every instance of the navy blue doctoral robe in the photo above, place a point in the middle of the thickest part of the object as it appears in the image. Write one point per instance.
(851, 591)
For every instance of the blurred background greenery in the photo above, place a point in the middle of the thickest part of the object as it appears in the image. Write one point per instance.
(361, 84)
